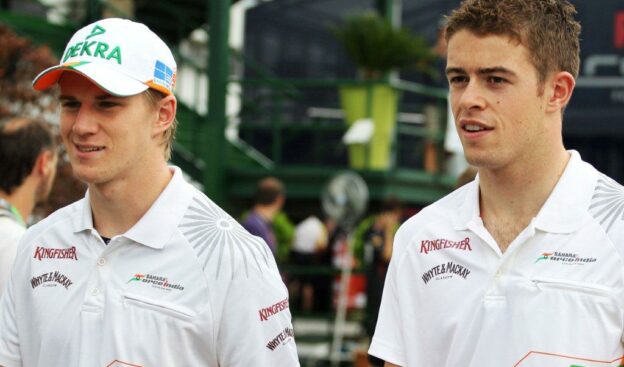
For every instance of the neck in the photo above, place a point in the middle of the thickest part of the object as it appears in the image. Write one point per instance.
(520, 190)
(118, 205)
(266, 212)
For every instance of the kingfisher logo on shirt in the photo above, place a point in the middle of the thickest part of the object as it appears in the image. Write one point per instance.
(51, 279)
(445, 271)
(567, 258)
(55, 253)
(427, 246)
(267, 312)
(156, 281)
(283, 337)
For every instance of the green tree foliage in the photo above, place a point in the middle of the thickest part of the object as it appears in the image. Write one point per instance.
(376, 47)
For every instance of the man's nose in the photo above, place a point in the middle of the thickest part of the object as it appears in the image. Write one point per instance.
(472, 96)
(85, 122)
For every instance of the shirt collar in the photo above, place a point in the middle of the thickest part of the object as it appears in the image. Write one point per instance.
(157, 225)
(468, 212)
(566, 207)
(563, 211)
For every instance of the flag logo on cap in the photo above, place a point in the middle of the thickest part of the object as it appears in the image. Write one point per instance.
(163, 75)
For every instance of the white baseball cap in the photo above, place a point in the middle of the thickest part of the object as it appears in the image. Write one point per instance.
(122, 57)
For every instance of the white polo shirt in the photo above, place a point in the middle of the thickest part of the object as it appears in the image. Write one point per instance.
(10, 232)
(555, 298)
(185, 286)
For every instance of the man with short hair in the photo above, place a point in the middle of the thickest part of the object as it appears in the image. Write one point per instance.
(268, 201)
(27, 169)
(523, 266)
(145, 270)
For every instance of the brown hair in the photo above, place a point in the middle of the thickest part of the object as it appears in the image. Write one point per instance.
(153, 96)
(22, 140)
(547, 28)
(269, 189)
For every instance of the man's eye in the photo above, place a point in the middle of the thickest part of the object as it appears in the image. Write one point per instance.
(458, 79)
(496, 80)
(70, 104)
(108, 104)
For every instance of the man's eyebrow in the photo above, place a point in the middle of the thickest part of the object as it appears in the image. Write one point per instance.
(481, 71)
(66, 98)
(105, 96)
(455, 71)
(496, 70)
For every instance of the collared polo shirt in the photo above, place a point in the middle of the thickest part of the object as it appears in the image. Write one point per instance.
(554, 298)
(185, 286)
(10, 232)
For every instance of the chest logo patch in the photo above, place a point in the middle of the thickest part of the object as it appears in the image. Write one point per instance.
(427, 246)
(55, 253)
(156, 281)
(446, 270)
(567, 258)
(51, 279)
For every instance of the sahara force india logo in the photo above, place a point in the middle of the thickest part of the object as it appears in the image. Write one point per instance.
(434, 245)
(565, 258)
(156, 281)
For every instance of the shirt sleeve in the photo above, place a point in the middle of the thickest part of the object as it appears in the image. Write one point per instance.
(10, 355)
(387, 343)
(7, 256)
(256, 327)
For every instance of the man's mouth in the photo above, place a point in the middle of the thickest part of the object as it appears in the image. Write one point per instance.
(474, 128)
(88, 149)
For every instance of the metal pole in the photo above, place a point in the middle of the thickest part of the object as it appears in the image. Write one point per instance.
(218, 72)
(341, 306)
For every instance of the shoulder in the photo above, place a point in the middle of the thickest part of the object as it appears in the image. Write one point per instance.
(222, 246)
(9, 228)
(607, 206)
(437, 217)
(60, 220)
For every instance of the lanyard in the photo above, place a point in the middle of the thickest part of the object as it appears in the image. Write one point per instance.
(11, 211)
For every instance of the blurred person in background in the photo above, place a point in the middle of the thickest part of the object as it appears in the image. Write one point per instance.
(28, 161)
(378, 244)
(309, 249)
(268, 201)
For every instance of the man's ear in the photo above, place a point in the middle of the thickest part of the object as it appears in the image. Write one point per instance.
(165, 114)
(562, 84)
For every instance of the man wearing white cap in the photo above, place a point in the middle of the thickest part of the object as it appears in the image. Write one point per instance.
(145, 270)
